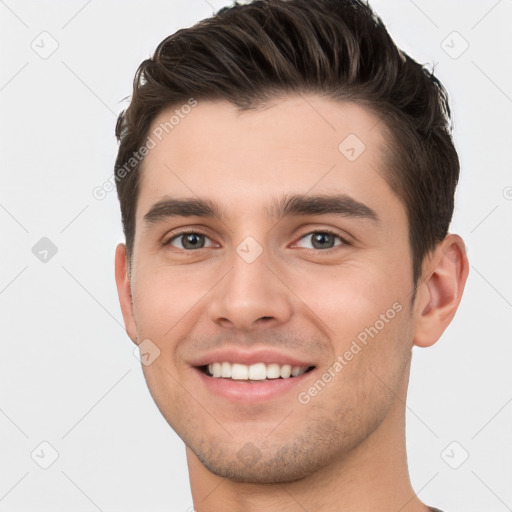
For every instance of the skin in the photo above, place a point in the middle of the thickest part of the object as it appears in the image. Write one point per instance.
(345, 449)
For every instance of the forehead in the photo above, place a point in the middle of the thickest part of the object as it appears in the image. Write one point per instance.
(242, 159)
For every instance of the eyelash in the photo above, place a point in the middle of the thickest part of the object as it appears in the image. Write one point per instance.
(323, 231)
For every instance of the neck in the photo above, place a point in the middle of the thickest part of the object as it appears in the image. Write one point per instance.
(372, 477)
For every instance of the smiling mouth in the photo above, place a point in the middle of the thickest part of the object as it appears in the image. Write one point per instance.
(255, 372)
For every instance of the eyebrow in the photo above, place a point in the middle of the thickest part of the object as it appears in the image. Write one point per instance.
(287, 206)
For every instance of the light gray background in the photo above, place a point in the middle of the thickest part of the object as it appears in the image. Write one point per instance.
(68, 375)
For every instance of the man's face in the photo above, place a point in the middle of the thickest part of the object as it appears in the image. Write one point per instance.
(259, 291)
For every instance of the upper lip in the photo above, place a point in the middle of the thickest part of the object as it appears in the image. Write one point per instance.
(249, 357)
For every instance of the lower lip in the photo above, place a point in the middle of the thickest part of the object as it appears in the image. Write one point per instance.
(251, 392)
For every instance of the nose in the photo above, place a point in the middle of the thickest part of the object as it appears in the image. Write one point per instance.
(250, 296)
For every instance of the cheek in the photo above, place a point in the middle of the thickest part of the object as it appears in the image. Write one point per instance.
(349, 298)
(164, 299)
(369, 367)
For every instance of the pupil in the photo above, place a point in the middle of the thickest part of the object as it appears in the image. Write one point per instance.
(322, 238)
(192, 240)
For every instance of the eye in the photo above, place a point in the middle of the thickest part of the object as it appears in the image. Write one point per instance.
(323, 239)
(190, 240)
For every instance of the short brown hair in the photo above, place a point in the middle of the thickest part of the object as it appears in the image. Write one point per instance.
(248, 54)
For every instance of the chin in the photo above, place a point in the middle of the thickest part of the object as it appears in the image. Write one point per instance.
(259, 473)
(272, 465)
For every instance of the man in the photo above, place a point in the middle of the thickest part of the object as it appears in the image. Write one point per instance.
(286, 178)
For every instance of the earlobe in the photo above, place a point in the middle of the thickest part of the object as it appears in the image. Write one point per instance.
(124, 291)
(441, 291)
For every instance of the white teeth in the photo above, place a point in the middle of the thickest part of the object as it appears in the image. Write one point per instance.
(286, 371)
(217, 369)
(257, 371)
(239, 371)
(226, 370)
(273, 371)
(297, 370)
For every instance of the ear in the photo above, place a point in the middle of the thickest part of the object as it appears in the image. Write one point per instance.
(124, 292)
(440, 291)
